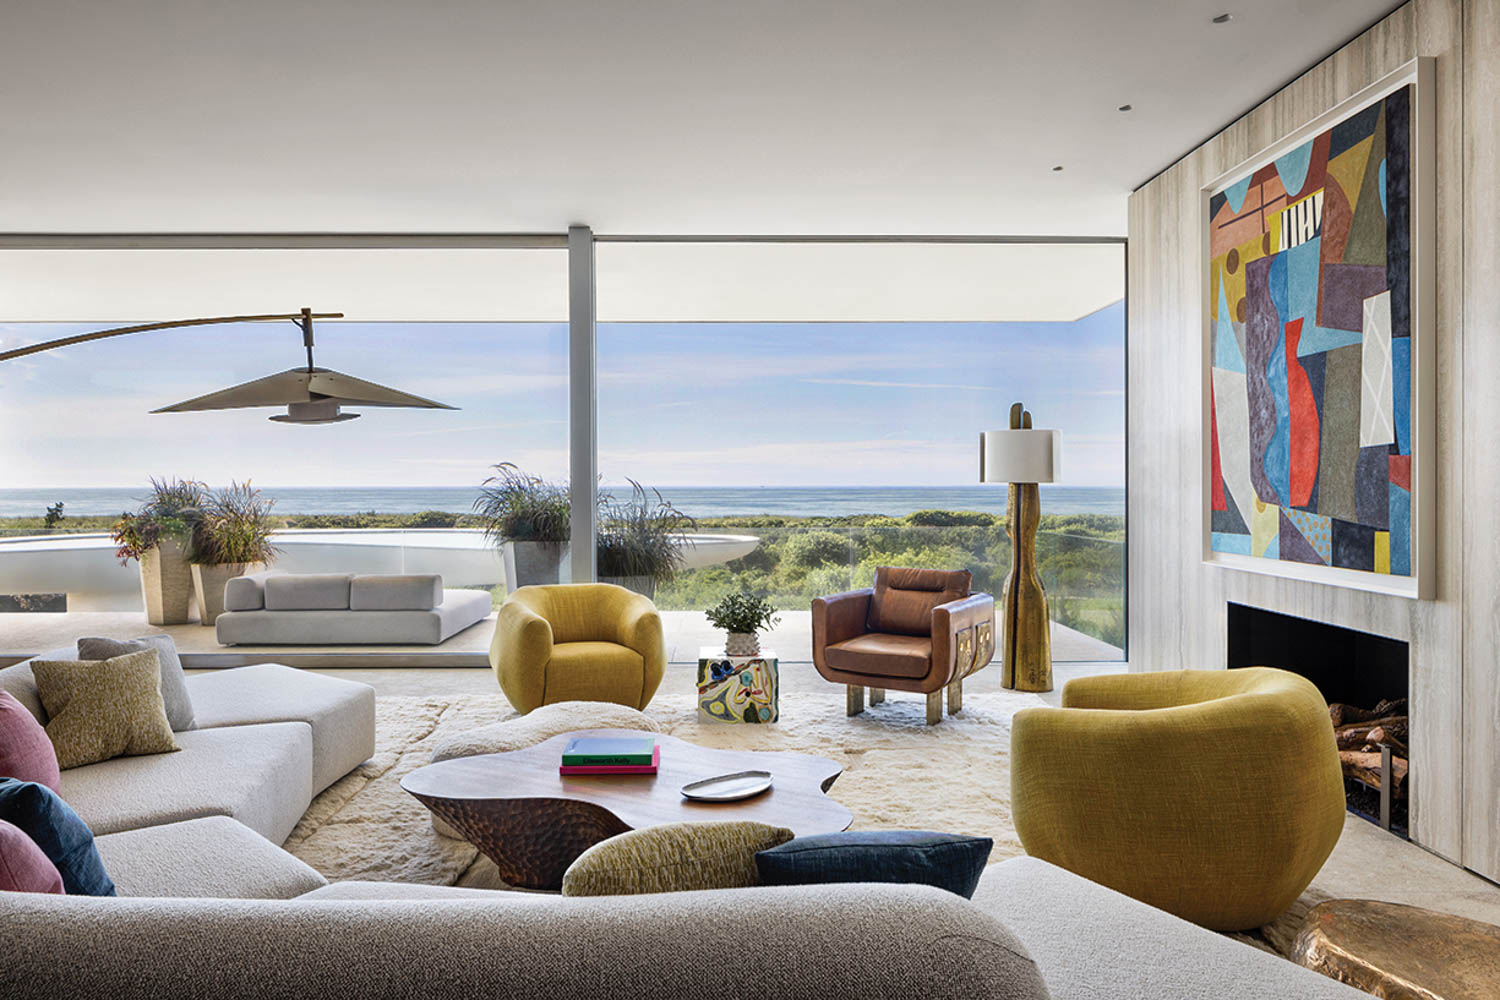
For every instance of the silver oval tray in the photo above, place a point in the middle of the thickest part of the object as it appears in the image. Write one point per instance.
(728, 787)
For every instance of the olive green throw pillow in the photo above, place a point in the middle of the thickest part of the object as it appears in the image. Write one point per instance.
(98, 709)
(673, 857)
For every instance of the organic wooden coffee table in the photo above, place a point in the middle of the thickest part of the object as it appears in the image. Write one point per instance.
(533, 822)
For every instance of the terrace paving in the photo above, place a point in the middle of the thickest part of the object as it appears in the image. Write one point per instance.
(23, 635)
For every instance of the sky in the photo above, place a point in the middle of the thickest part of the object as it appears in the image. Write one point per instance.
(680, 404)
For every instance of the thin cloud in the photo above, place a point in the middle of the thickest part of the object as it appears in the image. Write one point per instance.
(873, 384)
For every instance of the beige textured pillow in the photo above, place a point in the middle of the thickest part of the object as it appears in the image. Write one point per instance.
(673, 857)
(98, 709)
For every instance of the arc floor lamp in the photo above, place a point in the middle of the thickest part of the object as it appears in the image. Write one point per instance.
(311, 395)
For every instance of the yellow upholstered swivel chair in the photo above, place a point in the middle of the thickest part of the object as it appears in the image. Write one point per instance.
(1215, 795)
(578, 642)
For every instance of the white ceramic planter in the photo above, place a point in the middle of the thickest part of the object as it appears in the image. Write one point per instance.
(741, 644)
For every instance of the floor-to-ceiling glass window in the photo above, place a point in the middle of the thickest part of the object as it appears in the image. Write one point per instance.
(799, 414)
(393, 490)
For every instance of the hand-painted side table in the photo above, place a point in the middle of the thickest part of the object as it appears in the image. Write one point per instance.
(738, 688)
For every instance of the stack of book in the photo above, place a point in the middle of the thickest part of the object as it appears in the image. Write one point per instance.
(610, 755)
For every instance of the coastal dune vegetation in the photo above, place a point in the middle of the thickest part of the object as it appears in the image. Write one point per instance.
(1081, 557)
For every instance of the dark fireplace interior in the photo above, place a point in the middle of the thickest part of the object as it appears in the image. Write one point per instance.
(1363, 677)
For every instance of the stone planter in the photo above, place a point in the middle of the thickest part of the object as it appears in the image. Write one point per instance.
(531, 563)
(167, 584)
(208, 585)
(640, 584)
(741, 644)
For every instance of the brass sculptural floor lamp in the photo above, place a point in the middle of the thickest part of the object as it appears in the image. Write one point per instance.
(1023, 457)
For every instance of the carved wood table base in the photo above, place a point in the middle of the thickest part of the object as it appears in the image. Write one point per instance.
(533, 823)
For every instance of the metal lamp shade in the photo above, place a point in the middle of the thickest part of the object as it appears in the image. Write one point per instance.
(1020, 456)
(312, 396)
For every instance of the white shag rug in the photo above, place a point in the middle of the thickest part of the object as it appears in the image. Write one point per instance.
(899, 773)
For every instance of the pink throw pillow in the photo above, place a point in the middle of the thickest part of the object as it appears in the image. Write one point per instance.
(26, 753)
(23, 866)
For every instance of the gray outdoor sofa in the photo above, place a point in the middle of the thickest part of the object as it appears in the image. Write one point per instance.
(321, 609)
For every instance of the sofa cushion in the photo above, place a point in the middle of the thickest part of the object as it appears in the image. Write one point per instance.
(25, 751)
(796, 943)
(341, 713)
(673, 857)
(307, 592)
(23, 866)
(415, 592)
(98, 709)
(904, 598)
(214, 856)
(581, 671)
(246, 593)
(21, 682)
(64, 838)
(259, 775)
(174, 693)
(1090, 942)
(882, 655)
(946, 860)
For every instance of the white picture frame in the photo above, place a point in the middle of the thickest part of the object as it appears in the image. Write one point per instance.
(1418, 584)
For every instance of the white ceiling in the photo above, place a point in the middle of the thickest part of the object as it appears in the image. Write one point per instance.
(652, 116)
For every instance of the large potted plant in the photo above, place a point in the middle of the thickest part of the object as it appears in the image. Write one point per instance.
(527, 519)
(158, 535)
(233, 538)
(640, 540)
(742, 616)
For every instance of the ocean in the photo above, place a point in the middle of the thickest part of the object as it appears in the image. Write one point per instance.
(697, 501)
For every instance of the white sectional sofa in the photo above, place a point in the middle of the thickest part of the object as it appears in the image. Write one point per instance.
(267, 739)
(213, 908)
(319, 609)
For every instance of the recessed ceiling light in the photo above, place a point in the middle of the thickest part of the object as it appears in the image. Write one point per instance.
(1124, 107)
(1057, 168)
(1223, 19)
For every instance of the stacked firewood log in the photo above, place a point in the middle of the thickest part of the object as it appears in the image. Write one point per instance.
(1361, 732)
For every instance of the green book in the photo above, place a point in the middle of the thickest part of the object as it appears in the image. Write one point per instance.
(597, 751)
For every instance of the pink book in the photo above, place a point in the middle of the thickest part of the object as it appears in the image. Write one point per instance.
(577, 769)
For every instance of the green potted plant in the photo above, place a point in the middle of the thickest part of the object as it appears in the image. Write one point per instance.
(743, 616)
(158, 535)
(232, 538)
(527, 519)
(640, 542)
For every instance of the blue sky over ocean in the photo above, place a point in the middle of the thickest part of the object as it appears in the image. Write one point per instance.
(726, 404)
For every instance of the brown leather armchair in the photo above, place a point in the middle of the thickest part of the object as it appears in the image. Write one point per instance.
(915, 630)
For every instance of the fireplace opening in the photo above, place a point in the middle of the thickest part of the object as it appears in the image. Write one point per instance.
(1365, 680)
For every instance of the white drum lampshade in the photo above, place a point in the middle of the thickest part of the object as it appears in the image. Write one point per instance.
(1020, 456)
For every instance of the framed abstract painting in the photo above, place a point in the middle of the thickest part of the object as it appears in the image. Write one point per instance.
(1317, 348)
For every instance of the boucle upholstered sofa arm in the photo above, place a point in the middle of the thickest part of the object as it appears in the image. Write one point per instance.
(809, 943)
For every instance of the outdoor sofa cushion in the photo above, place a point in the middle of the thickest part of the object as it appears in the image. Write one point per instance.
(413, 592)
(308, 592)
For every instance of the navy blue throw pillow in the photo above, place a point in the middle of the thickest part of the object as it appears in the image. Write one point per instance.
(946, 860)
(63, 837)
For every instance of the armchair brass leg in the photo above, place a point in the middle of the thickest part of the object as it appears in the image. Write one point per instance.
(935, 707)
(877, 695)
(956, 697)
(856, 702)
